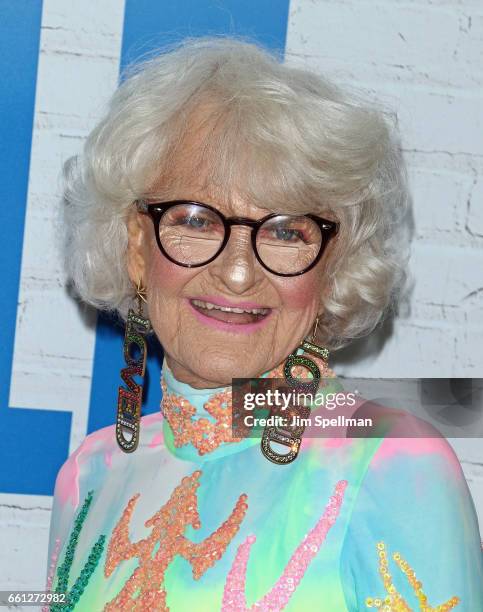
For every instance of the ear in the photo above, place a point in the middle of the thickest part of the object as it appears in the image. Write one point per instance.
(138, 246)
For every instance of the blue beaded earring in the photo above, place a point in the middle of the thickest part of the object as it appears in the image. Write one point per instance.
(291, 435)
(129, 399)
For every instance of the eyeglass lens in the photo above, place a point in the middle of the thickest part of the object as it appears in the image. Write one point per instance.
(191, 235)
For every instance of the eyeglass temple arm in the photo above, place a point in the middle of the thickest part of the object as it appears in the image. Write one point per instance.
(141, 206)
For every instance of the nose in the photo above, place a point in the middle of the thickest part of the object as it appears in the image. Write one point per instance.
(236, 267)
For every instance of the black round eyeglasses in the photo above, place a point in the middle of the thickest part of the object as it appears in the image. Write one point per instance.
(193, 234)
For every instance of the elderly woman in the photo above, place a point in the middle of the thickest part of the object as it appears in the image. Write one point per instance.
(250, 215)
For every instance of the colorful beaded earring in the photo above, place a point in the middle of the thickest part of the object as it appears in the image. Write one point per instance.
(130, 399)
(291, 435)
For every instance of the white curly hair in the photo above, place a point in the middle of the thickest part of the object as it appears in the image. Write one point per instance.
(286, 139)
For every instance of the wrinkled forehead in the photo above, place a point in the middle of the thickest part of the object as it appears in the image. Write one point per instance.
(214, 158)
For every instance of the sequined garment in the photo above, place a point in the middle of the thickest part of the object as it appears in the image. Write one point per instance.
(197, 519)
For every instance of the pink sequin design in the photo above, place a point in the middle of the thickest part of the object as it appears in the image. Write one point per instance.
(53, 563)
(234, 594)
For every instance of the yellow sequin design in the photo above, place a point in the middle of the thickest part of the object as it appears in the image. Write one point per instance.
(168, 526)
(394, 602)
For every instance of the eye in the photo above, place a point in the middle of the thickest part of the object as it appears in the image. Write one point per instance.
(287, 234)
(191, 221)
(197, 222)
(292, 231)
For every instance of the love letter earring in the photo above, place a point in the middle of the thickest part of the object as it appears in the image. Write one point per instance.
(130, 399)
(291, 435)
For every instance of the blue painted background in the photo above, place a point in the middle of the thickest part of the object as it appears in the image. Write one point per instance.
(34, 443)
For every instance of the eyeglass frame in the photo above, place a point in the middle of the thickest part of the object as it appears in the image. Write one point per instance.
(156, 210)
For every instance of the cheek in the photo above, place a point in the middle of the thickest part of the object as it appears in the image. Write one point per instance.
(166, 278)
(167, 283)
(300, 292)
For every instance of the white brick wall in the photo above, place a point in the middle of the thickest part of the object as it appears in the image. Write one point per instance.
(422, 57)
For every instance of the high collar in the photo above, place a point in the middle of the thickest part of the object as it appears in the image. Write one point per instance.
(197, 423)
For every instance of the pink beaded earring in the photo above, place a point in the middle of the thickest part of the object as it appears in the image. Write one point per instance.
(291, 435)
(130, 399)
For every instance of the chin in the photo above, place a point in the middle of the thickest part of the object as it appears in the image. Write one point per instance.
(221, 371)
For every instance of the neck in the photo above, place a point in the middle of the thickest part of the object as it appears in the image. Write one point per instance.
(187, 376)
(198, 420)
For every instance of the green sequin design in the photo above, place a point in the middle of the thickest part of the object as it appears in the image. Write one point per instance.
(63, 570)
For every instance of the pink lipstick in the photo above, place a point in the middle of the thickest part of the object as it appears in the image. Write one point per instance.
(225, 315)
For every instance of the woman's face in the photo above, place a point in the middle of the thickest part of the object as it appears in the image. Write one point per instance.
(207, 347)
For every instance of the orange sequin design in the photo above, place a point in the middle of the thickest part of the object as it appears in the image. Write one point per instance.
(204, 434)
(168, 526)
(394, 602)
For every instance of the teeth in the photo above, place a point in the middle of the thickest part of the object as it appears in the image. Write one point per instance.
(210, 306)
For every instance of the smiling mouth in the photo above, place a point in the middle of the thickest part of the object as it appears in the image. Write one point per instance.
(227, 314)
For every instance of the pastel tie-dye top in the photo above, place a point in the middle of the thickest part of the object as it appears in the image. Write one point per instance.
(195, 521)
